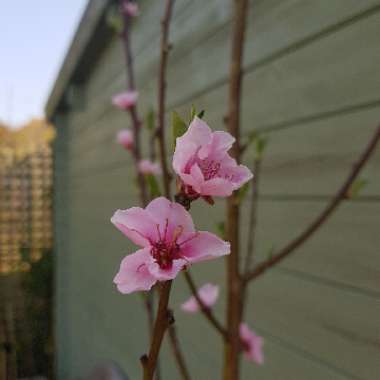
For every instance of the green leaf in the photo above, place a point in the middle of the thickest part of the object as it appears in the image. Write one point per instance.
(154, 187)
(149, 119)
(221, 230)
(193, 112)
(261, 143)
(179, 127)
(114, 19)
(356, 187)
(242, 192)
(201, 114)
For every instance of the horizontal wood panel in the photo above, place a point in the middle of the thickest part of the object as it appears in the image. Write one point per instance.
(184, 91)
(324, 154)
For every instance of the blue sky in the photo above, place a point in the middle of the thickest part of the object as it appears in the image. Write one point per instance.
(34, 38)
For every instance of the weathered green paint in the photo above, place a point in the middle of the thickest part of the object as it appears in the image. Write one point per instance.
(312, 85)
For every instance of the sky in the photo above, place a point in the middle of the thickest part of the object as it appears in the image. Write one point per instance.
(34, 38)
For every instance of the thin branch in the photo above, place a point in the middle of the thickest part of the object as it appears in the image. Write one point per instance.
(234, 285)
(205, 310)
(163, 320)
(136, 123)
(253, 215)
(323, 216)
(184, 372)
(165, 23)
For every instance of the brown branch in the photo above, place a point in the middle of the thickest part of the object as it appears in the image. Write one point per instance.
(165, 23)
(204, 309)
(253, 215)
(322, 217)
(163, 320)
(136, 123)
(234, 301)
(178, 353)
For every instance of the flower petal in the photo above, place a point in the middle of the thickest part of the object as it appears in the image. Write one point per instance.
(162, 210)
(217, 187)
(166, 274)
(204, 246)
(133, 274)
(238, 175)
(137, 224)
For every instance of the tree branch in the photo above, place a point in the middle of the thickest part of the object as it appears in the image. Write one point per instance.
(322, 217)
(165, 23)
(184, 372)
(205, 310)
(136, 123)
(234, 301)
(163, 320)
(253, 215)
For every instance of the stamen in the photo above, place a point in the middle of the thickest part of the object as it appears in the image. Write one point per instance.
(158, 231)
(166, 228)
(177, 233)
(140, 234)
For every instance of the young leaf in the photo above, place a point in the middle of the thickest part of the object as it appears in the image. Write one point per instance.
(154, 187)
(356, 187)
(201, 114)
(261, 143)
(179, 127)
(149, 119)
(221, 230)
(242, 192)
(193, 112)
(114, 19)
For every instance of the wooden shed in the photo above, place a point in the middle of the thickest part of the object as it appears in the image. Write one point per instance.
(312, 85)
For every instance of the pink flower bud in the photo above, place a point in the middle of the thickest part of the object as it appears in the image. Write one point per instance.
(131, 9)
(252, 344)
(125, 138)
(125, 100)
(208, 294)
(149, 167)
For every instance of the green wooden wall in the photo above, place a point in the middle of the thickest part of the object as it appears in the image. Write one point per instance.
(312, 84)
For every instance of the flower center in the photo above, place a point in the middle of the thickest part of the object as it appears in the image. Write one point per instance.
(210, 168)
(164, 251)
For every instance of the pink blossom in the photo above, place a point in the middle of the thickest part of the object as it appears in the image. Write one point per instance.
(208, 294)
(149, 167)
(125, 100)
(125, 138)
(169, 243)
(252, 344)
(203, 164)
(131, 8)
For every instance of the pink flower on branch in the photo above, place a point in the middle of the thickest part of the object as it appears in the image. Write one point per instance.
(125, 138)
(169, 243)
(131, 8)
(208, 294)
(148, 167)
(252, 344)
(125, 100)
(202, 162)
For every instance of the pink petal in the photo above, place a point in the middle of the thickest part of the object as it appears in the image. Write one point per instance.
(238, 175)
(149, 167)
(125, 138)
(204, 246)
(183, 154)
(125, 100)
(208, 294)
(137, 224)
(198, 133)
(133, 274)
(161, 209)
(217, 187)
(166, 274)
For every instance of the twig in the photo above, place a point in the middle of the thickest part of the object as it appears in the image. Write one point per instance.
(205, 310)
(163, 320)
(253, 215)
(234, 301)
(136, 123)
(178, 354)
(322, 217)
(165, 23)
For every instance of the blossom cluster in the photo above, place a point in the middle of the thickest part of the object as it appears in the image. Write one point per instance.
(164, 230)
